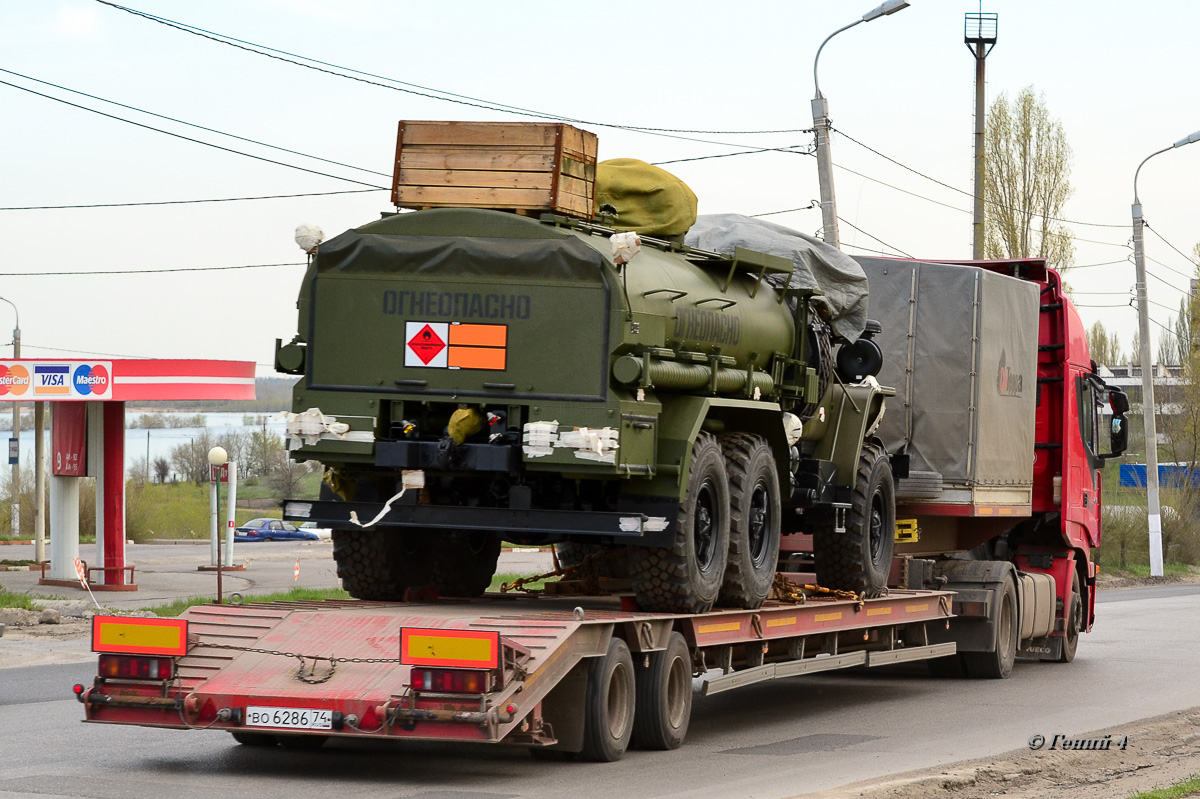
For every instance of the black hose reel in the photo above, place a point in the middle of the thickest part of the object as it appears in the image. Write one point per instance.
(862, 359)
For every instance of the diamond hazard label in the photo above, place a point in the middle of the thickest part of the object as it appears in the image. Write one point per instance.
(426, 344)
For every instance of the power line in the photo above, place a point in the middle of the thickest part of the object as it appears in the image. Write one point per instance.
(868, 249)
(25, 344)
(812, 204)
(424, 91)
(1168, 268)
(967, 193)
(876, 238)
(1187, 258)
(186, 202)
(740, 152)
(187, 138)
(194, 125)
(1105, 263)
(150, 271)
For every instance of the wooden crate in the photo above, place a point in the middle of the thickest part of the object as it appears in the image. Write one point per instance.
(518, 166)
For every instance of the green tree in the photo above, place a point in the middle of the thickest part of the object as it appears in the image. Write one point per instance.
(1027, 180)
(1104, 346)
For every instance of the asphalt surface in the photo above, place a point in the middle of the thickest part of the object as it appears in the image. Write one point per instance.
(769, 740)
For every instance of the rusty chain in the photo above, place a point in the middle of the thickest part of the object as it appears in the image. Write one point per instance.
(784, 590)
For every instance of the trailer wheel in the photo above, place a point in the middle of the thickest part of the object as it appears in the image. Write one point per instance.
(998, 664)
(664, 697)
(686, 577)
(463, 562)
(860, 559)
(609, 708)
(754, 521)
(255, 738)
(1074, 621)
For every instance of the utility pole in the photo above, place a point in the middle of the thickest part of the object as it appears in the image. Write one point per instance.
(15, 441)
(979, 34)
(1153, 510)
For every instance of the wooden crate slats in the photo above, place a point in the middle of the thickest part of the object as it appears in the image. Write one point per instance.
(525, 166)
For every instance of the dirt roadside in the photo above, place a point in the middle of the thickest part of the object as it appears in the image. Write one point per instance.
(1159, 752)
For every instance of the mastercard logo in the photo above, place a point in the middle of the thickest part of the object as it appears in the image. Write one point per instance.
(14, 380)
(90, 380)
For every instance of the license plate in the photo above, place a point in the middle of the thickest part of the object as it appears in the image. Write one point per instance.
(289, 718)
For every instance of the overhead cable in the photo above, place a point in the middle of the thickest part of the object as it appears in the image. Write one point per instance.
(186, 202)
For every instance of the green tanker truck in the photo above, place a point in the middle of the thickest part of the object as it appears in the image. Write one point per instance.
(472, 375)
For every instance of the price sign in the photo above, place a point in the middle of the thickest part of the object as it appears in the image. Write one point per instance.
(222, 471)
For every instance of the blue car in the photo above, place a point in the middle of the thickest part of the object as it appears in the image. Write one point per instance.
(271, 530)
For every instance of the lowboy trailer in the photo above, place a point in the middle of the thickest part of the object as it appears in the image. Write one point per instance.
(564, 677)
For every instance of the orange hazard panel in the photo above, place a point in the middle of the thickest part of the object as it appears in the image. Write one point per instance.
(479, 335)
(126, 635)
(476, 358)
(464, 649)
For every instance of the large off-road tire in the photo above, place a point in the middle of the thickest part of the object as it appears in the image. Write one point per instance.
(686, 577)
(380, 565)
(664, 697)
(998, 663)
(463, 562)
(860, 559)
(754, 521)
(610, 704)
(598, 562)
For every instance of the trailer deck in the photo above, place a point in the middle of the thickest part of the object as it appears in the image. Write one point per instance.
(506, 668)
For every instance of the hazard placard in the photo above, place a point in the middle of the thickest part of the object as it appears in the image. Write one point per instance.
(425, 344)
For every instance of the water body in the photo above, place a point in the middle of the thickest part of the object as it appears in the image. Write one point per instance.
(159, 442)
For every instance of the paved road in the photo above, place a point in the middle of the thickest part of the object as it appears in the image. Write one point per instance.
(768, 740)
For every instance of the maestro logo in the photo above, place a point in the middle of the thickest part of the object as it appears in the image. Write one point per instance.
(14, 380)
(90, 380)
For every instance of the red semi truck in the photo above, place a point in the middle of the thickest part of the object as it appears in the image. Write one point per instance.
(994, 442)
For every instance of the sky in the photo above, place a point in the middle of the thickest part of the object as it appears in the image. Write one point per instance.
(1116, 74)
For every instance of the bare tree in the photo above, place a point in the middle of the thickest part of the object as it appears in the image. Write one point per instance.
(162, 469)
(1027, 181)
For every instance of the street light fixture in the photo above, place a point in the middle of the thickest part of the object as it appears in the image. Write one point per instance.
(1153, 511)
(821, 126)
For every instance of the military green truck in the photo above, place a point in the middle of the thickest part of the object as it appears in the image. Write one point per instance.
(472, 375)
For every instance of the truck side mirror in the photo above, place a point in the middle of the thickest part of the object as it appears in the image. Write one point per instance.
(1118, 438)
(1118, 401)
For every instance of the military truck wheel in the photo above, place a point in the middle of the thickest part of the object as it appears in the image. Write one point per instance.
(686, 577)
(609, 707)
(753, 521)
(463, 562)
(998, 663)
(379, 565)
(601, 562)
(860, 559)
(664, 697)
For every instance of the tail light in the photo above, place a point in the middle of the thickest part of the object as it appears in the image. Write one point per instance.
(135, 667)
(451, 681)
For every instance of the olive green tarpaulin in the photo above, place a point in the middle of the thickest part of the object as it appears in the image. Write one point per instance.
(647, 199)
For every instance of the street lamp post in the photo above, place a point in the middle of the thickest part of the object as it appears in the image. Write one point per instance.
(822, 127)
(16, 432)
(217, 457)
(1153, 511)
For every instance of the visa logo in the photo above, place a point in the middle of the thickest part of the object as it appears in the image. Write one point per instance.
(51, 380)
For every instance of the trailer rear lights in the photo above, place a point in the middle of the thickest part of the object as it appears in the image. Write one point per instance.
(133, 636)
(451, 681)
(136, 667)
(78, 689)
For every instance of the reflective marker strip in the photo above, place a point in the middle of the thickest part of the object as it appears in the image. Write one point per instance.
(785, 622)
(828, 616)
(879, 611)
(449, 648)
(124, 635)
(916, 608)
(719, 628)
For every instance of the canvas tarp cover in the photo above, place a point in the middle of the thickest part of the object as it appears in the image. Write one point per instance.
(815, 265)
(957, 338)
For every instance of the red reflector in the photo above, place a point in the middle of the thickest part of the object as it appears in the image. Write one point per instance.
(208, 711)
(450, 681)
(130, 667)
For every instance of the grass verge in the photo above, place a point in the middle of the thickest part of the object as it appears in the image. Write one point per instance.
(1143, 570)
(1180, 790)
(8, 599)
(294, 595)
